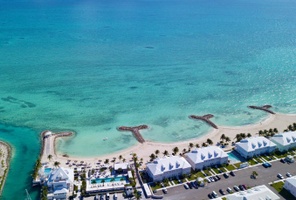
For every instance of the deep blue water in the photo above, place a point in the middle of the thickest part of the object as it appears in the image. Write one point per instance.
(91, 66)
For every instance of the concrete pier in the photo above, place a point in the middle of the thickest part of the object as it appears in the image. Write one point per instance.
(264, 108)
(205, 118)
(135, 130)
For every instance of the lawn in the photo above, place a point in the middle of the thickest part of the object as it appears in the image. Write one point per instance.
(237, 165)
(282, 191)
(253, 162)
(278, 186)
(230, 167)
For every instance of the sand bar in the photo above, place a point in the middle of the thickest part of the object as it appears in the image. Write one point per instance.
(5, 156)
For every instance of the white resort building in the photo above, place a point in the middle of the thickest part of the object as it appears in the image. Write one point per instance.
(290, 185)
(285, 141)
(207, 156)
(167, 167)
(59, 183)
(253, 146)
(258, 192)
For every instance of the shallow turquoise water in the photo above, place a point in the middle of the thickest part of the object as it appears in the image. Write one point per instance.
(25, 150)
(91, 66)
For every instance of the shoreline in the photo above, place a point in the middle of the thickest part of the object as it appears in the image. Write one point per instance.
(144, 150)
(7, 157)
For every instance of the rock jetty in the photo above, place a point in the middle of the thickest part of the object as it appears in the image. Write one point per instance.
(135, 130)
(264, 108)
(205, 118)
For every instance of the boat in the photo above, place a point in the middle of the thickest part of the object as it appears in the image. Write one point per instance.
(106, 138)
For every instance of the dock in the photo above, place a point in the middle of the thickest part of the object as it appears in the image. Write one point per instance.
(205, 118)
(135, 130)
(264, 108)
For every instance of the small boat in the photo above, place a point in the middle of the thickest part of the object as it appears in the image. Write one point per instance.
(106, 138)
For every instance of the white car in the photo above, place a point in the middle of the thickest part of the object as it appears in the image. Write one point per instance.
(229, 190)
(280, 176)
(186, 186)
(288, 174)
(214, 194)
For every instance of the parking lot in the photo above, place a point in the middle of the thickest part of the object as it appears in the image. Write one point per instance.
(265, 176)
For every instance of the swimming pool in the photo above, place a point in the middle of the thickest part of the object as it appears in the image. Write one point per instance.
(47, 171)
(109, 179)
(234, 158)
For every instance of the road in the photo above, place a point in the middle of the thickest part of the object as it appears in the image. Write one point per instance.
(265, 176)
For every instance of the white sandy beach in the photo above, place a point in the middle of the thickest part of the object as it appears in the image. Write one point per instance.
(279, 121)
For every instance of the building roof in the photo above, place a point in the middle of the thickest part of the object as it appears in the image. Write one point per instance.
(292, 181)
(120, 165)
(200, 155)
(165, 164)
(285, 138)
(61, 191)
(254, 143)
(260, 192)
(61, 174)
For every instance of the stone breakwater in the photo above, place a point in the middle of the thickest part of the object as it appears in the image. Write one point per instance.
(264, 108)
(135, 130)
(205, 118)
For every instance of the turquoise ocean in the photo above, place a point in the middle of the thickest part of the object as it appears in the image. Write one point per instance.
(91, 66)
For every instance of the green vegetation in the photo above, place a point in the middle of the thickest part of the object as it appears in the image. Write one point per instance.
(237, 165)
(230, 167)
(278, 186)
(36, 169)
(44, 192)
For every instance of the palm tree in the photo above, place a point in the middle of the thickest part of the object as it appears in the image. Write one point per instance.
(175, 150)
(222, 137)
(260, 133)
(184, 150)
(275, 130)
(165, 153)
(290, 128)
(197, 145)
(249, 135)
(56, 164)
(190, 145)
(49, 157)
(204, 144)
(254, 174)
(152, 156)
(157, 152)
(209, 141)
(120, 157)
(123, 160)
(106, 161)
(227, 139)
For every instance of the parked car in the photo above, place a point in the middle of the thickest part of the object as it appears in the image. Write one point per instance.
(208, 179)
(232, 173)
(162, 184)
(236, 188)
(225, 175)
(164, 190)
(280, 176)
(283, 160)
(229, 190)
(241, 188)
(214, 194)
(266, 164)
(288, 174)
(189, 185)
(215, 178)
(186, 186)
(218, 177)
(222, 192)
(245, 187)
